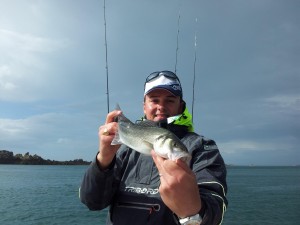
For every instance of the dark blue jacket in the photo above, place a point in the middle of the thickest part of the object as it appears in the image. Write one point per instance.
(130, 185)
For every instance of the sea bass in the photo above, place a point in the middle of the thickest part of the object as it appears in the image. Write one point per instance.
(146, 135)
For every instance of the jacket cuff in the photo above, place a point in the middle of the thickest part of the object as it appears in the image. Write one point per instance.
(96, 164)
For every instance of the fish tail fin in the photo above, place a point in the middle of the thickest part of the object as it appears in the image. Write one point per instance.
(121, 117)
(116, 119)
(118, 107)
(116, 140)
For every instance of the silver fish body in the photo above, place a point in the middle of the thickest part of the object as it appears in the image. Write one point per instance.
(146, 135)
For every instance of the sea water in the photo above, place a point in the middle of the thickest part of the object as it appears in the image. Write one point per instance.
(32, 195)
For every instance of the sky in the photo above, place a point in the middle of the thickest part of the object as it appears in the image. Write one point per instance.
(53, 92)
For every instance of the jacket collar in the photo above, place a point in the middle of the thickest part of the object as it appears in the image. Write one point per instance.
(179, 124)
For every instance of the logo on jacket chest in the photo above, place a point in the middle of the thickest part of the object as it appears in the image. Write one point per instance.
(142, 190)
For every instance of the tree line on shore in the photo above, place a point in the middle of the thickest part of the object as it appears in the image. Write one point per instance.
(8, 157)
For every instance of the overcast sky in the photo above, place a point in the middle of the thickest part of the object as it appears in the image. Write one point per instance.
(53, 72)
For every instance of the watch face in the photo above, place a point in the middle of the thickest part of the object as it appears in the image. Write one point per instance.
(192, 222)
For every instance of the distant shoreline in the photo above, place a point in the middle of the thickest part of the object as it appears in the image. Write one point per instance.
(8, 157)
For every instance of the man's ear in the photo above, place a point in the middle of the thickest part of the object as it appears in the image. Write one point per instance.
(144, 106)
(182, 106)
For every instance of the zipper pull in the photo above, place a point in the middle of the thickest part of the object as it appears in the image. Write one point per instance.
(150, 212)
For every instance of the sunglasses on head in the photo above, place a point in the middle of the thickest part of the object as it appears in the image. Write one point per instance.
(165, 73)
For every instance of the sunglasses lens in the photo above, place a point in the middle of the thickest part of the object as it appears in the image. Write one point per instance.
(152, 76)
(168, 74)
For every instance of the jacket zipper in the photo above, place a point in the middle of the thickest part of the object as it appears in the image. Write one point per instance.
(137, 205)
(143, 206)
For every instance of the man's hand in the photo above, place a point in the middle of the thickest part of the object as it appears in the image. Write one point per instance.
(178, 188)
(106, 135)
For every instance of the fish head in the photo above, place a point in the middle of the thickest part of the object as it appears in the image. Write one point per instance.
(169, 146)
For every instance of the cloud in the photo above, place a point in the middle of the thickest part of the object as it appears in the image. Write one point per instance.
(51, 135)
(52, 71)
(23, 64)
(287, 103)
(5, 84)
(25, 42)
(256, 145)
(263, 151)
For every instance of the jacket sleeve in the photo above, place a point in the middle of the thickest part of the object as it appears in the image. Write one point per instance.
(96, 189)
(99, 186)
(210, 170)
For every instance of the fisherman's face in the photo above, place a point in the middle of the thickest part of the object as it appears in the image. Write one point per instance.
(160, 104)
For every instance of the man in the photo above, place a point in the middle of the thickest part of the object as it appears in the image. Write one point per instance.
(141, 189)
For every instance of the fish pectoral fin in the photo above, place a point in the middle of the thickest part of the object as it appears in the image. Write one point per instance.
(148, 144)
(116, 140)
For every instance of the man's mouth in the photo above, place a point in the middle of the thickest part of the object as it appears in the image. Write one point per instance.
(161, 116)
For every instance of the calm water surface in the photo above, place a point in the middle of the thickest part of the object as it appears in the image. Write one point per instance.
(32, 195)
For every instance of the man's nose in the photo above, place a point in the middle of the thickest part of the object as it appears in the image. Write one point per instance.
(161, 106)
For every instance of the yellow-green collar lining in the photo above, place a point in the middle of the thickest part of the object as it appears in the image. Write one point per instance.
(184, 119)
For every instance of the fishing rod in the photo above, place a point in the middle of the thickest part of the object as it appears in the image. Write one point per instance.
(195, 59)
(106, 65)
(194, 78)
(177, 48)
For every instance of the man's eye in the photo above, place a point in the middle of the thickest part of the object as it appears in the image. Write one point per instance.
(154, 100)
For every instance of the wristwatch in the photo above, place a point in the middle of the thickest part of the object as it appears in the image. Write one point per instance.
(191, 220)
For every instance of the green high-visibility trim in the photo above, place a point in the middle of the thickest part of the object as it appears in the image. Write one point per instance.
(185, 119)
